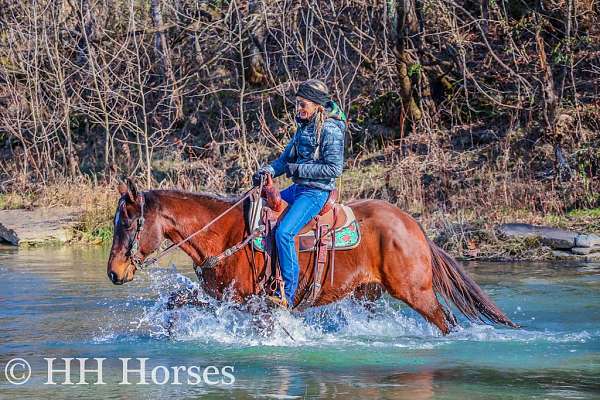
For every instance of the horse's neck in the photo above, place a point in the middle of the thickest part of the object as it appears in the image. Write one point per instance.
(188, 216)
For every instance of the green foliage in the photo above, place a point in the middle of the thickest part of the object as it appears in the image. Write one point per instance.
(559, 55)
(96, 226)
(585, 213)
(98, 235)
(414, 69)
(104, 233)
(356, 114)
(383, 107)
(15, 200)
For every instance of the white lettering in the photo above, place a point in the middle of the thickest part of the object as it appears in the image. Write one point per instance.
(83, 370)
(141, 371)
(226, 374)
(194, 372)
(176, 374)
(165, 374)
(51, 371)
(214, 371)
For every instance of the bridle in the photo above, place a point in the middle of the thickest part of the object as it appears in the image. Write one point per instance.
(133, 247)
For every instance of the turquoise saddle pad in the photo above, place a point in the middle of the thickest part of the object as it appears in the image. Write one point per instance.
(346, 238)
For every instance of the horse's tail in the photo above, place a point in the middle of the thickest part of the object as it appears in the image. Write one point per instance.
(452, 282)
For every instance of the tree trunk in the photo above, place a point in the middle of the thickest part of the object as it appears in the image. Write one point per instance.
(161, 48)
(255, 68)
(407, 35)
(551, 103)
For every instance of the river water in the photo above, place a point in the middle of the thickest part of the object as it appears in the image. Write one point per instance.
(58, 303)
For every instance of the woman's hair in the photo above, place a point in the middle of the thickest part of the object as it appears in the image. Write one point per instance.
(320, 113)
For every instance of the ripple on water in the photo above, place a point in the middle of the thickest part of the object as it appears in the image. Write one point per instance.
(346, 323)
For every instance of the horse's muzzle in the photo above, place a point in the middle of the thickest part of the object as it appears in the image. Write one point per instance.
(114, 279)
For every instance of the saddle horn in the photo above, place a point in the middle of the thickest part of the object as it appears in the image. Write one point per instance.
(271, 194)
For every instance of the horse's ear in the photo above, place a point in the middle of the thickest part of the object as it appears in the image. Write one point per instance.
(131, 190)
(122, 188)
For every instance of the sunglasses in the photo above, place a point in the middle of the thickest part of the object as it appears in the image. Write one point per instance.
(302, 103)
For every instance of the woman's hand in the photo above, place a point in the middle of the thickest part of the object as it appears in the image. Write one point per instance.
(258, 176)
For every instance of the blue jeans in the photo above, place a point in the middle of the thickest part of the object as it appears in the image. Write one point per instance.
(304, 203)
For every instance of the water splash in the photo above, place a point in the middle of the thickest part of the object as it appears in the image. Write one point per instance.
(386, 322)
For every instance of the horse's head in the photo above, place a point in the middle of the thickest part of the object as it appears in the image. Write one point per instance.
(136, 233)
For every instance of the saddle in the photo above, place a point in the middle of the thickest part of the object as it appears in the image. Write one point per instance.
(334, 228)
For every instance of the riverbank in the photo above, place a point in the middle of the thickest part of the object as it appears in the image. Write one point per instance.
(467, 234)
(67, 213)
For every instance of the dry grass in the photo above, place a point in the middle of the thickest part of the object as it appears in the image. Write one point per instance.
(467, 228)
(97, 203)
(457, 122)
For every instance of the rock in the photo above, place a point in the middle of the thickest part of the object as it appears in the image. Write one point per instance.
(559, 243)
(40, 225)
(566, 255)
(553, 237)
(590, 240)
(585, 250)
(467, 139)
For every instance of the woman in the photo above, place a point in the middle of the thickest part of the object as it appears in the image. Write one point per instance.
(314, 158)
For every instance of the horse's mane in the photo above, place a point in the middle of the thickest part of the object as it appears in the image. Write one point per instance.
(182, 195)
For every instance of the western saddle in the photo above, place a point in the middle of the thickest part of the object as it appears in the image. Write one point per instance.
(317, 236)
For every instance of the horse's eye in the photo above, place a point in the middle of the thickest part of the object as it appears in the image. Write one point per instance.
(126, 224)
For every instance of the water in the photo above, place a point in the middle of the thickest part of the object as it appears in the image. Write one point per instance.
(58, 302)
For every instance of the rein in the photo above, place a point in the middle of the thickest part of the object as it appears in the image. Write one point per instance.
(210, 262)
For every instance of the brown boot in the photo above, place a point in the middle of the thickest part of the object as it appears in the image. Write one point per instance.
(278, 301)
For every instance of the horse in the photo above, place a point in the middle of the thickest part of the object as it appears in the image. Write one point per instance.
(394, 254)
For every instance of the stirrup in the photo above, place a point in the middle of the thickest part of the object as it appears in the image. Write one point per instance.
(278, 301)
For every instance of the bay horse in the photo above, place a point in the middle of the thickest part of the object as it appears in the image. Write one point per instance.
(394, 253)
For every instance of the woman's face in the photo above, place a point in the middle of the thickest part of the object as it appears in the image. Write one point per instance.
(305, 108)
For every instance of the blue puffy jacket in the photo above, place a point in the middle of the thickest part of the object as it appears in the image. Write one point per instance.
(300, 154)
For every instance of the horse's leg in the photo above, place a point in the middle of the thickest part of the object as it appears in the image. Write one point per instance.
(180, 299)
(184, 297)
(429, 307)
(262, 318)
(367, 294)
(424, 302)
(450, 318)
(408, 277)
